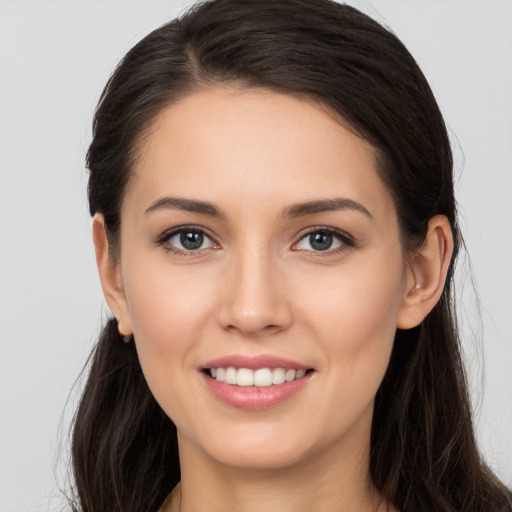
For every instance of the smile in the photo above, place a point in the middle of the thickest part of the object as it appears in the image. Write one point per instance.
(261, 377)
(255, 382)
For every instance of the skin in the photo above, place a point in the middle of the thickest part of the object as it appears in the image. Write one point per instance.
(257, 286)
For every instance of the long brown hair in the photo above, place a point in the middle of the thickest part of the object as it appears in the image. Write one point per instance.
(423, 451)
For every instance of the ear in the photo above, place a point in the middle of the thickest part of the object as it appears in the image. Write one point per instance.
(110, 276)
(426, 273)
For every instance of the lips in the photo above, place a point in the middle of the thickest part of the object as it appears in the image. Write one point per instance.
(258, 382)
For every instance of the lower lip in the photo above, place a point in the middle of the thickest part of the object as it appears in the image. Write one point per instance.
(255, 398)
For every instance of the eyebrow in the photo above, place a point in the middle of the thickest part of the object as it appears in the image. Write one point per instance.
(188, 205)
(324, 205)
(294, 211)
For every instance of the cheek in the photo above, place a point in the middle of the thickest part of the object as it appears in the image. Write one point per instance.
(363, 297)
(354, 316)
(168, 311)
(165, 304)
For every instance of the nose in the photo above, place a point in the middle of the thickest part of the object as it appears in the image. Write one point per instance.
(254, 301)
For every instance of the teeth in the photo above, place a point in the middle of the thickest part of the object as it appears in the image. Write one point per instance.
(290, 375)
(278, 376)
(263, 377)
(244, 377)
(230, 376)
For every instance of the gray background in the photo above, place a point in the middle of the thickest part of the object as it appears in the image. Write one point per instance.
(55, 57)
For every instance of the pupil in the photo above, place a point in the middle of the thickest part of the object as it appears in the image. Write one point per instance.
(321, 241)
(191, 240)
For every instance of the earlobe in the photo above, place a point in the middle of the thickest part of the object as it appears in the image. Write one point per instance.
(110, 277)
(427, 273)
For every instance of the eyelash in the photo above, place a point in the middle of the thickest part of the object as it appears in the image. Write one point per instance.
(344, 238)
(167, 235)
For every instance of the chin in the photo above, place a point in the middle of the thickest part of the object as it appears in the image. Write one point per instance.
(254, 458)
(263, 448)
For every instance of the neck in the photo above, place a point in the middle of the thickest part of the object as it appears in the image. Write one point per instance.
(330, 482)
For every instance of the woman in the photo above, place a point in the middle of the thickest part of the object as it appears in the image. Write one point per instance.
(275, 232)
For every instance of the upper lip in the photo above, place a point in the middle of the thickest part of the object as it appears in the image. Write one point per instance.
(254, 362)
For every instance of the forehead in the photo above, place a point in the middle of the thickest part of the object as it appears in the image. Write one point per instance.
(255, 145)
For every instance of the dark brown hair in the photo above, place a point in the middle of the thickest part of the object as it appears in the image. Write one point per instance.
(423, 451)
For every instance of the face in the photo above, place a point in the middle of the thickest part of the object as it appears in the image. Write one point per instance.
(259, 246)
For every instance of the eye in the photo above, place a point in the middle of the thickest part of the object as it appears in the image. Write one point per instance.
(186, 240)
(322, 240)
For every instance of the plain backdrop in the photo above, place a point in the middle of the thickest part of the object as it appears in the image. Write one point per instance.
(55, 57)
